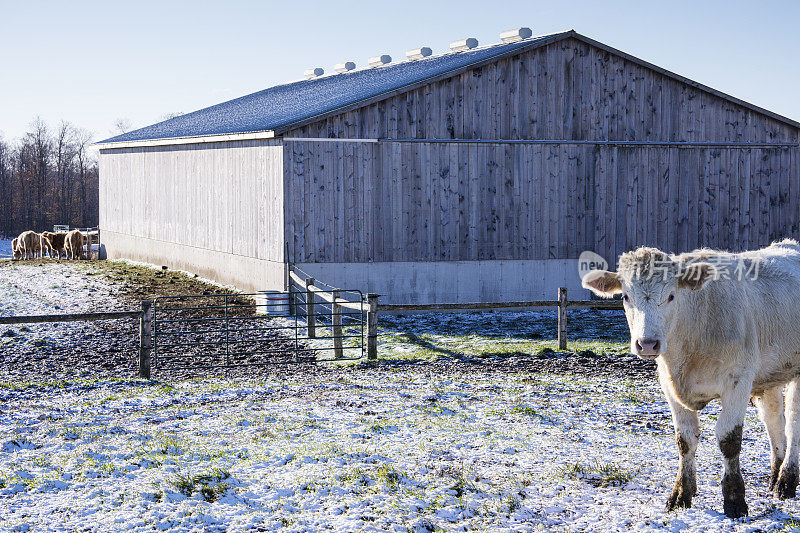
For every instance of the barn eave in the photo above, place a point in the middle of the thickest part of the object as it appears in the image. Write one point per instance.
(196, 139)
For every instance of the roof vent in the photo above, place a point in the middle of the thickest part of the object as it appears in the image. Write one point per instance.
(513, 36)
(419, 53)
(377, 61)
(464, 44)
(344, 67)
(312, 73)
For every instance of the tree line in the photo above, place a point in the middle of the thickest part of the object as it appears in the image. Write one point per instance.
(48, 177)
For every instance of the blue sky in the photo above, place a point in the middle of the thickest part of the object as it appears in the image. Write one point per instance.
(95, 62)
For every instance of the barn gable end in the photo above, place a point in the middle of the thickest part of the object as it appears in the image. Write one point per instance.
(569, 89)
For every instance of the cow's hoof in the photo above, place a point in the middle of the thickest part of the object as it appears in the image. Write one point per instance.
(679, 499)
(735, 508)
(786, 486)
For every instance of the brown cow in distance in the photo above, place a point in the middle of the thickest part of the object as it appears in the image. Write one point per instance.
(57, 242)
(74, 244)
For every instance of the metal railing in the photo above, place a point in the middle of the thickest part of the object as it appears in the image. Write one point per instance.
(303, 302)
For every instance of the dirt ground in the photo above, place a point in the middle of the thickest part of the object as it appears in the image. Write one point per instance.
(107, 349)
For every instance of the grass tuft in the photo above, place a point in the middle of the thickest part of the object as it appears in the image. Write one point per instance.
(211, 485)
(598, 474)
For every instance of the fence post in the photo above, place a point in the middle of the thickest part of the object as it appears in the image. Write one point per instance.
(290, 295)
(336, 321)
(562, 318)
(372, 326)
(145, 338)
(310, 314)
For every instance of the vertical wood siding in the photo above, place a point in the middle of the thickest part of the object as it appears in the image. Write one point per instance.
(226, 197)
(390, 201)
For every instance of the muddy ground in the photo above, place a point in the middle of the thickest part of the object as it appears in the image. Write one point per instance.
(109, 349)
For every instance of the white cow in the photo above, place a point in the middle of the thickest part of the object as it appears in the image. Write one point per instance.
(720, 326)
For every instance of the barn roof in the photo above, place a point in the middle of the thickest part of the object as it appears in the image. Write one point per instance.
(279, 108)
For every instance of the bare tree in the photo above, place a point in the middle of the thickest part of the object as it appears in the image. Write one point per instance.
(41, 144)
(122, 125)
(171, 115)
(48, 179)
(6, 189)
(64, 155)
(84, 175)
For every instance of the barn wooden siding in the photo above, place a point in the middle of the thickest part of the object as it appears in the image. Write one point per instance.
(566, 90)
(224, 197)
(395, 201)
(414, 197)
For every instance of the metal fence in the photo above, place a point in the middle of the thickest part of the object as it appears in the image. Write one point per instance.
(235, 330)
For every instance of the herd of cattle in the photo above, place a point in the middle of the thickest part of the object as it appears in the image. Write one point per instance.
(30, 245)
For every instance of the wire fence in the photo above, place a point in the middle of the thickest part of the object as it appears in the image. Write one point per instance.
(235, 330)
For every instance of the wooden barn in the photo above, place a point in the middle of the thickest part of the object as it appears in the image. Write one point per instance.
(476, 175)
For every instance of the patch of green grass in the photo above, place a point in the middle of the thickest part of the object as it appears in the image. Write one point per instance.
(60, 384)
(523, 410)
(211, 485)
(356, 475)
(170, 446)
(597, 474)
(630, 397)
(107, 469)
(513, 502)
(164, 389)
(389, 475)
(460, 486)
(402, 345)
(793, 525)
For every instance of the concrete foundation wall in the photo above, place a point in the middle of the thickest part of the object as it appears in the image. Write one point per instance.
(245, 273)
(454, 281)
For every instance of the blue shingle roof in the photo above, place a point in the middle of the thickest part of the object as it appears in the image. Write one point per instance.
(284, 105)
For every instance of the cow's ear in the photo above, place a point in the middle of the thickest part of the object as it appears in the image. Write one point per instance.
(602, 283)
(696, 275)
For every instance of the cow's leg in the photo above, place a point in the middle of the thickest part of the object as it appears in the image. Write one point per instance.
(687, 434)
(786, 486)
(770, 411)
(729, 436)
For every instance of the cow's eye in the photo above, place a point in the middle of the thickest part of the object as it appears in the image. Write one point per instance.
(670, 297)
(626, 298)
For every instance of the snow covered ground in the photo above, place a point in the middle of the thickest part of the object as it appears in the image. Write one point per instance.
(430, 445)
(5, 247)
(369, 450)
(49, 287)
(35, 288)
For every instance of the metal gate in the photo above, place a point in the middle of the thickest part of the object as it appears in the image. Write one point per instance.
(203, 331)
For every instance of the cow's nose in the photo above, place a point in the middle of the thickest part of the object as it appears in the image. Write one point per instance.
(647, 346)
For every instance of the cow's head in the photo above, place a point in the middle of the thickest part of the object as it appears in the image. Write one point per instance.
(653, 286)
